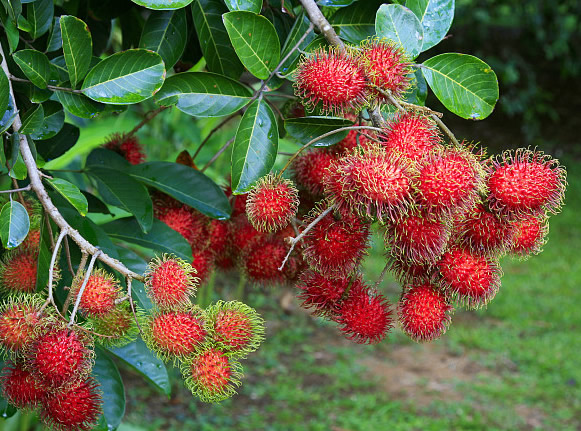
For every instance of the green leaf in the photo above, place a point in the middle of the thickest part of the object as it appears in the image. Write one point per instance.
(142, 360)
(218, 52)
(17, 167)
(14, 224)
(138, 265)
(255, 41)
(162, 4)
(79, 104)
(107, 159)
(203, 94)
(77, 47)
(464, 84)
(32, 120)
(12, 34)
(248, 5)
(55, 40)
(255, 146)
(305, 129)
(399, 24)
(39, 16)
(4, 92)
(107, 374)
(161, 238)
(335, 3)
(14, 8)
(54, 119)
(185, 184)
(419, 89)
(60, 143)
(436, 17)
(119, 189)
(166, 33)
(8, 117)
(71, 193)
(125, 77)
(356, 22)
(34, 65)
(299, 28)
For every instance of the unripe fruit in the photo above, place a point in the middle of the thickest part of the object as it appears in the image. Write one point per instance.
(19, 387)
(333, 79)
(18, 272)
(118, 326)
(310, 170)
(272, 203)
(19, 322)
(412, 135)
(424, 312)
(170, 282)
(101, 291)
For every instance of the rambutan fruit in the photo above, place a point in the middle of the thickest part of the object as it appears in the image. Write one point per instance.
(334, 247)
(354, 138)
(175, 334)
(203, 263)
(411, 134)
(218, 231)
(386, 66)
(170, 281)
(484, 233)
(333, 80)
(19, 387)
(19, 322)
(530, 235)
(364, 316)
(128, 147)
(470, 279)
(417, 238)
(59, 357)
(261, 261)
(211, 375)
(526, 182)
(75, 408)
(162, 203)
(235, 328)
(371, 182)
(449, 180)
(101, 291)
(310, 169)
(409, 273)
(238, 202)
(243, 235)
(118, 327)
(18, 272)
(424, 312)
(272, 203)
(189, 223)
(32, 241)
(320, 293)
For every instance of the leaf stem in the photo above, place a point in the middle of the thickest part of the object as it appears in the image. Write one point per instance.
(220, 151)
(22, 189)
(214, 130)
(146, 119)
(50, 87)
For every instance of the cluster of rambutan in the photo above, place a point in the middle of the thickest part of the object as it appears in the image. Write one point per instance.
(126, 146)
(206, 342)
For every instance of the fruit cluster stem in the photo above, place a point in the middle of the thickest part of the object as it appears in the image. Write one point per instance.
(22, 189)
(82, 289)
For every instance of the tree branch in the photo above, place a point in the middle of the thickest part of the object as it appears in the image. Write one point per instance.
(50, 87)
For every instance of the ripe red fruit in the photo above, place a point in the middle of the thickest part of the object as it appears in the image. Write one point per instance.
(218, 231)
(101, 291)
(449, 181)
(212, 376)
(243, 235)
(170, 282)
(19, 322)
(272, 203)
(310, 169)
(424, 312)
(32, 241)
(526, 182)
(409, 273)
(261, 261)
(334, 80)
(128, 147)
(203, 263)
(472, 280)
(417, 238)
(530, 235)
(18, 272)
(236, 328)
(334, 247)
(412, 135)
(59, 357)
(175, 334)
(75, 408)
(189, 223)
(364, 315)
(19, 387)
(371, 182)
(386, 66)
(321, 293)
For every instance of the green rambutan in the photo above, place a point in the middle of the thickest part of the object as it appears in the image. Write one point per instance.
(119, 326)
(272, 203)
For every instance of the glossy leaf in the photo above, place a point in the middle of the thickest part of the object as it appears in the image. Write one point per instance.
(255, 146)
(34, 65)
(8, 116)
(185, 184)
(336, 3)
(399, 24)
(119, 189)
(464, 84)
(162, 4)
(14, 8)
(161, 238)
(17, 167)
(248, 5)
(166, 32)
(142, 360)
(356, 22)
(12, 34)
(14, 224)
(419, 89)
(52, 123)
(77, 47)
(255, 41)
(79, 104)
(102, 157)
(305, 129)
(436, 17)
(60, 143)
(32, 120)
(55, 40)
(125, 77)
(71, 193)
(4, 92)
(39, 15)
(299, 28)
(107, 374)
(204, 94)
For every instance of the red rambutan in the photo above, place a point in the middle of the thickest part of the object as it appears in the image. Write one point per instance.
(189, 223)
(101, 291)
(218, 231)
(19, 322)
(128, 147)
(19, 387)
(310, 169)
(272, 203)
(18, 271)
(261, 261)
(409, 273)
(321, 293)
(170, 282)
(412, 135)
(243, 235)
(530, 235)
(203, 262)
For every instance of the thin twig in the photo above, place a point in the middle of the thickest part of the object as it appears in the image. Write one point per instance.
(220, 151)
(80, 269)
(146, 119)
(68, 254)
(22, 189)
(316, 17)
(294, 241)
(50, 87)
(382, 275)
(50, 299)
(82, 289)
(403, 105)
(445, 129)
(214, 130)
